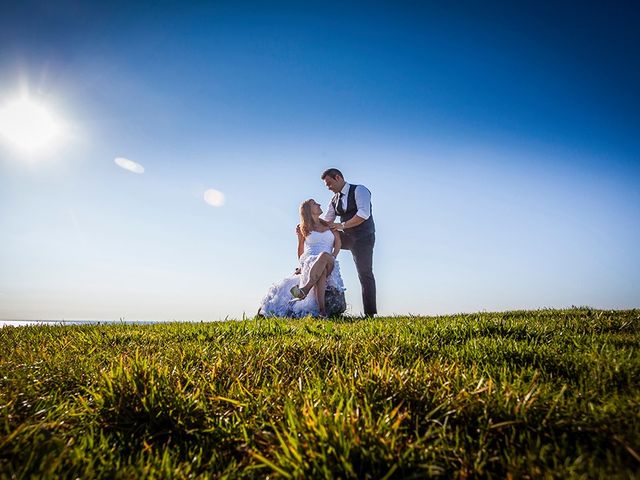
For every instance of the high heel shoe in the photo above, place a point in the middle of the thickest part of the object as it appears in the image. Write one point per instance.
(297, 293)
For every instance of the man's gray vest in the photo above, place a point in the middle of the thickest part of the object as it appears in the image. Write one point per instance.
(365, 228)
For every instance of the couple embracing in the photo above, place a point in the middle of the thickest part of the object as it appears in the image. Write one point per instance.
(316, 288)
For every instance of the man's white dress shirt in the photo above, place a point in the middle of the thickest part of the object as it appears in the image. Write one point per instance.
(363, 202)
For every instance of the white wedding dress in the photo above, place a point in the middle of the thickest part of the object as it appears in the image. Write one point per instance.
(280, 303)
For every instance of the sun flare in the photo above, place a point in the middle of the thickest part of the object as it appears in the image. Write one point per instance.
(28, 125)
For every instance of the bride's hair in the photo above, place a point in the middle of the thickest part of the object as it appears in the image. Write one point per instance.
(306, 218)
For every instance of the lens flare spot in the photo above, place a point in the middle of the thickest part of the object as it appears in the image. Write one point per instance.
(129, 165)
(213, 197)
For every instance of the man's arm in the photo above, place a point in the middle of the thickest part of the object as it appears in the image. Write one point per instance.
(363, 202)
(330, 214)
(352, 222)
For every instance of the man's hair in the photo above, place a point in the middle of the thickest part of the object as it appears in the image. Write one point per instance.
(331, 172)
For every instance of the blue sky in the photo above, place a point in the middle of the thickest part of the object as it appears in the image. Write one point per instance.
(501, 144)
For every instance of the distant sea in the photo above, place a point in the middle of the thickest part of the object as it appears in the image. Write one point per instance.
(62, 323)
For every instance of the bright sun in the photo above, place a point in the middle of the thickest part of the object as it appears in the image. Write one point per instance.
(28, 125)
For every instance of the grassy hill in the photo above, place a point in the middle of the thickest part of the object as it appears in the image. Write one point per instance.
(515, 394)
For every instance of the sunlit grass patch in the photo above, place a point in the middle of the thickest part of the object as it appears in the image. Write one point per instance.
(494, 394)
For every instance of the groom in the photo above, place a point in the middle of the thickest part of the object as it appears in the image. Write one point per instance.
(353, 204)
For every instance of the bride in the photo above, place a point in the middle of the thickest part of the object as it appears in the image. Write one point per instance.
(304, 293)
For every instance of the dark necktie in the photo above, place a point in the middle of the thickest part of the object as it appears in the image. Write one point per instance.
(339, 208)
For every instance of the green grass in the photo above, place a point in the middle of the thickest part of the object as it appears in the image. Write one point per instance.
(549, 393)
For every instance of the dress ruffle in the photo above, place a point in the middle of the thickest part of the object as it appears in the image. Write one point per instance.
(279, 302)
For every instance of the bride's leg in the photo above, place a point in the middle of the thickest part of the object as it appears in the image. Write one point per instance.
(317, 270)
(321, 285)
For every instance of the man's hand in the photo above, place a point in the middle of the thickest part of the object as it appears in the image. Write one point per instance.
(335, 226)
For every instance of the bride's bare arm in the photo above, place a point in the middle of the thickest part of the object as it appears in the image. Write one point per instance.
(300, 241)
(337, 243)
